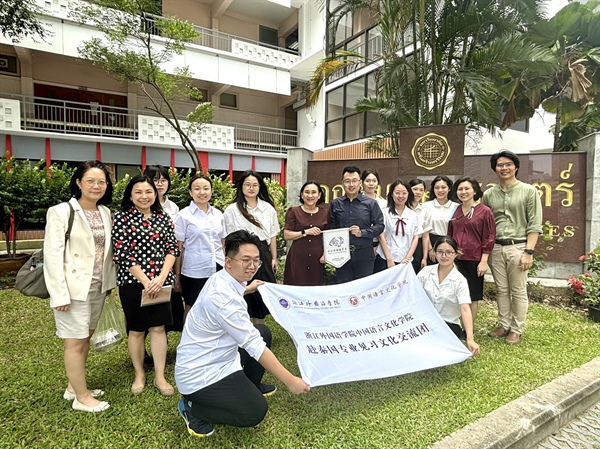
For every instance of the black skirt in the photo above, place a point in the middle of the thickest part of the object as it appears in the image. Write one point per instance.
(468, 268)
(418, 256)
(140, 319)
(256, 305)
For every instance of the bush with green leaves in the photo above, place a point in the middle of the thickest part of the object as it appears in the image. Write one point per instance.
(27, 190)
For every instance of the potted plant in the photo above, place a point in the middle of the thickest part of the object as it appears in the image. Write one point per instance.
(26, 192)
(587, 285)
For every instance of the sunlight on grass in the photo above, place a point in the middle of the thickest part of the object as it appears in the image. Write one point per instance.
(411, 411)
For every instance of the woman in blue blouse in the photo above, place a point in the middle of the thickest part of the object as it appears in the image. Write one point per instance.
(145, 250)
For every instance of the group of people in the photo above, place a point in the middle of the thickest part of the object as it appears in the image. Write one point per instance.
(214, 262)
(150, 247)
(450, 239)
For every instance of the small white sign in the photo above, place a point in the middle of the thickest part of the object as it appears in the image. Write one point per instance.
(336, 246)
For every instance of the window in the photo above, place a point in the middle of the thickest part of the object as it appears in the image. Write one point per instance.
(229, 101)
(204, 94)
(335, 103)
(268, 36)
(343, 122)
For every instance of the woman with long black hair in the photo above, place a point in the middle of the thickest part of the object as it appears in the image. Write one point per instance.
(254, 211)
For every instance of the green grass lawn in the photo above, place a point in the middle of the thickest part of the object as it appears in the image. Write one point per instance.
(411, 411)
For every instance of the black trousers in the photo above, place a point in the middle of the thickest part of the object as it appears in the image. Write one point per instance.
(359, 266)
(234, 400)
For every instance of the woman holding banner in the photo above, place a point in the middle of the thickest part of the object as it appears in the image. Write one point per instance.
(304, 264)
(448, 290)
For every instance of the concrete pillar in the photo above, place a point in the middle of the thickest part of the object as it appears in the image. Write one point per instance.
(297, 171)
(591, 145)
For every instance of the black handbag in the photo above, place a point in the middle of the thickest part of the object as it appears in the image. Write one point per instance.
(30, 278)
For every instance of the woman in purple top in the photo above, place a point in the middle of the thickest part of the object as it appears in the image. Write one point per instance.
(474, 228)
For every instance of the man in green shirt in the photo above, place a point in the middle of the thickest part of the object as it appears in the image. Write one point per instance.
(517, 209)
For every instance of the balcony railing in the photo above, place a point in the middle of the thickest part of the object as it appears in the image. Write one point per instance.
(216, 39)
(69, 117)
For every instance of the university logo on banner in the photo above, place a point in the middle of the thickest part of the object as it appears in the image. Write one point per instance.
(379, 326)
(336, 246)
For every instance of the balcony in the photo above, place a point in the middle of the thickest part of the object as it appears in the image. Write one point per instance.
(24, 113)
(217, 57)
(236, 45)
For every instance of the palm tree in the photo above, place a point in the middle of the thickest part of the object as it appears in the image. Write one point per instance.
(572, 90)
(445, 62)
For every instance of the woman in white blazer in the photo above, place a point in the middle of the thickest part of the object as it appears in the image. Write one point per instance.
(79, 273)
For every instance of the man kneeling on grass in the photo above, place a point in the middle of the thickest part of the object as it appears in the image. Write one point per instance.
(222, 356)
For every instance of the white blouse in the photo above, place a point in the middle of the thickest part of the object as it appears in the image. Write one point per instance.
(201, 233)
(424, 217)
(440, 215)
(170, 208)
(400, 244)
(264, 213)
(447, 296)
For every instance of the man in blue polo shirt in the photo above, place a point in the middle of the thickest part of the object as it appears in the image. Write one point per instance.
(364, 219)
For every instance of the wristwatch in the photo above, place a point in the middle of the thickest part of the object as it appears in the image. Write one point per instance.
(303, 232)
(528, 251)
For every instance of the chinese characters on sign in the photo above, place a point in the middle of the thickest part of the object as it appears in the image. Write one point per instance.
(379, 326)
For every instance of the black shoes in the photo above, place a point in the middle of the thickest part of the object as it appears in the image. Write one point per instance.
(267, 390)
(196, 427)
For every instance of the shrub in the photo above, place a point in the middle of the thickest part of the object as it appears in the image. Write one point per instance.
(586, 286)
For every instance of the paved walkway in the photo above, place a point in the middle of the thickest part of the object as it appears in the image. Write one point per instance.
(581, 432)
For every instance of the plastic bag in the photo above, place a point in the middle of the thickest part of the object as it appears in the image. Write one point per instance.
(111, 327)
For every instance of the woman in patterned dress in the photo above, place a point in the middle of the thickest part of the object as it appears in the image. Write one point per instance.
(145, 250)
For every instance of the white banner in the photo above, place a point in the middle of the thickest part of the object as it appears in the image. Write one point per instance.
(336, 246)
(379, 326)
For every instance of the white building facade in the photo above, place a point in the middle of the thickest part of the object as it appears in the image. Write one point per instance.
(55, 105)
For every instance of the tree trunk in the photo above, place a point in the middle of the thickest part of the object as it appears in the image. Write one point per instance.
(557, 125)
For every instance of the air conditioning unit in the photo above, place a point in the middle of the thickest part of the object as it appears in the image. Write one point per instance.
(299, 104)
(9, 65)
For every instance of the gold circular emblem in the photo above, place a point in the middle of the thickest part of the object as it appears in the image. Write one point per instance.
(431, 151)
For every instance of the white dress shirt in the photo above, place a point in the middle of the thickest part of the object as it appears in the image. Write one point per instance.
(201, 233)
(424, 217)
(440, 215)
(170, 208)
(447, 296)
(217, 325)
(263, 212)
(399, 244)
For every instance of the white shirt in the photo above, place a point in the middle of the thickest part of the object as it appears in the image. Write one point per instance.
(217, 325)
(201, 233)
(170, 208)
(440, 215)
(447, 296)
(400, 244)
(424, 217)
(382, 202)
(263, 212)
